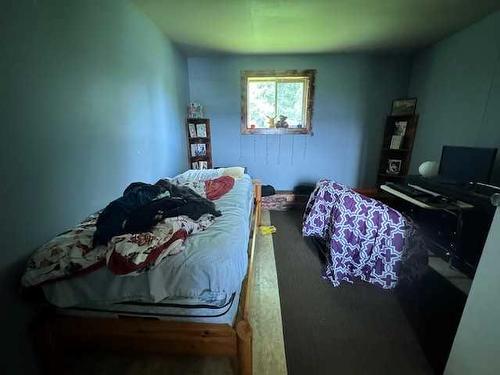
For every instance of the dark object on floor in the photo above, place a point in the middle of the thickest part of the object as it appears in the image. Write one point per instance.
(267, 190)
(304, 189)
(434, 308)
(351, 329)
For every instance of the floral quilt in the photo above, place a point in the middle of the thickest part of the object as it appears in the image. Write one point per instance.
(134, 253)
(69, 253)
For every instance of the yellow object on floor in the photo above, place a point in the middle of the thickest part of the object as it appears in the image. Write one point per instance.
(267, 229)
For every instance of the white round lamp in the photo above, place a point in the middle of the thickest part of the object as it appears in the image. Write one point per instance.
(428, 169)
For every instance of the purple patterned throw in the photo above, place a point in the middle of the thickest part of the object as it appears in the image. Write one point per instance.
(366, 238)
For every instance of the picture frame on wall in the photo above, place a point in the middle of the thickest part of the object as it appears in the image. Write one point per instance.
(195, 110)
(194, 165)
(394, 166)
(203, 164)
(198, 149)
(404, 106)
(192, 130)
(201, 130)
(400, 128)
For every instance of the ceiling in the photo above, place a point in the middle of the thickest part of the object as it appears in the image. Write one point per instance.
(310, 26)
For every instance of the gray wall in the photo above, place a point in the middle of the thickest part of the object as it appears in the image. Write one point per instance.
(457, 82)
(352, 97)
(476, 348)
(92, 97)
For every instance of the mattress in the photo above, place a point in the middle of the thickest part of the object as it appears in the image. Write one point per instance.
(213, 262)
(208, 308)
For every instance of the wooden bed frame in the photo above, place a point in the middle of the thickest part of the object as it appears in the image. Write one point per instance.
(55, 332)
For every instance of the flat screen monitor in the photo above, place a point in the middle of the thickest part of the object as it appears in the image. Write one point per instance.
(466, 164)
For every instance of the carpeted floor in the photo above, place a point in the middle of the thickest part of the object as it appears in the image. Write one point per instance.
(352, 329)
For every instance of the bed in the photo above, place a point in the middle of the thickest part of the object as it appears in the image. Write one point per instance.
(195, 302)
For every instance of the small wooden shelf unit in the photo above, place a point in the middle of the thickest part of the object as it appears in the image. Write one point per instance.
(403, 153)
(199, 140)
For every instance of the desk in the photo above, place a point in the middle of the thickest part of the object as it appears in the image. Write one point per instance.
(434, 305)
(452, 248)
(455, 206)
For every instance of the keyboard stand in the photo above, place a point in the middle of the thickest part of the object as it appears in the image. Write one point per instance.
(455, 208)
(457, 205)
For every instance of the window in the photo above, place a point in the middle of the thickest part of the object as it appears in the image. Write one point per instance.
(276, 102)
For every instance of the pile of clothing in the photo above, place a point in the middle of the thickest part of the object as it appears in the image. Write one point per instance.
(133, 233)
(142, 206)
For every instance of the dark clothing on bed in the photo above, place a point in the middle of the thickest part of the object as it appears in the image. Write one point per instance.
(137, 210)
(142, 193)
(143, 218)
(196, 205)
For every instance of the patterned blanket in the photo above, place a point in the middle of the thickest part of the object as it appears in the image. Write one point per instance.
(366, 239)
(72, 253)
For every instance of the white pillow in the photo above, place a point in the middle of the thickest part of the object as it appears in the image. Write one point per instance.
(197, 175)
(234, 172)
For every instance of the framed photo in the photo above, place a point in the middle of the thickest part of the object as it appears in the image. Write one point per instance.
(198, 149)
(201, 130)
(194, 165)
(400, 128)
(195, 110)
(203, 164)
(404, 106)
(394, 166)
(192, 130)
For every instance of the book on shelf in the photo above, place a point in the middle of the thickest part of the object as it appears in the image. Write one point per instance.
(192, 130)
(396, 142)
(400, 128)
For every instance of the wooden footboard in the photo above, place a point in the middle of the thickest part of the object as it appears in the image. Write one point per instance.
(57, 333)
